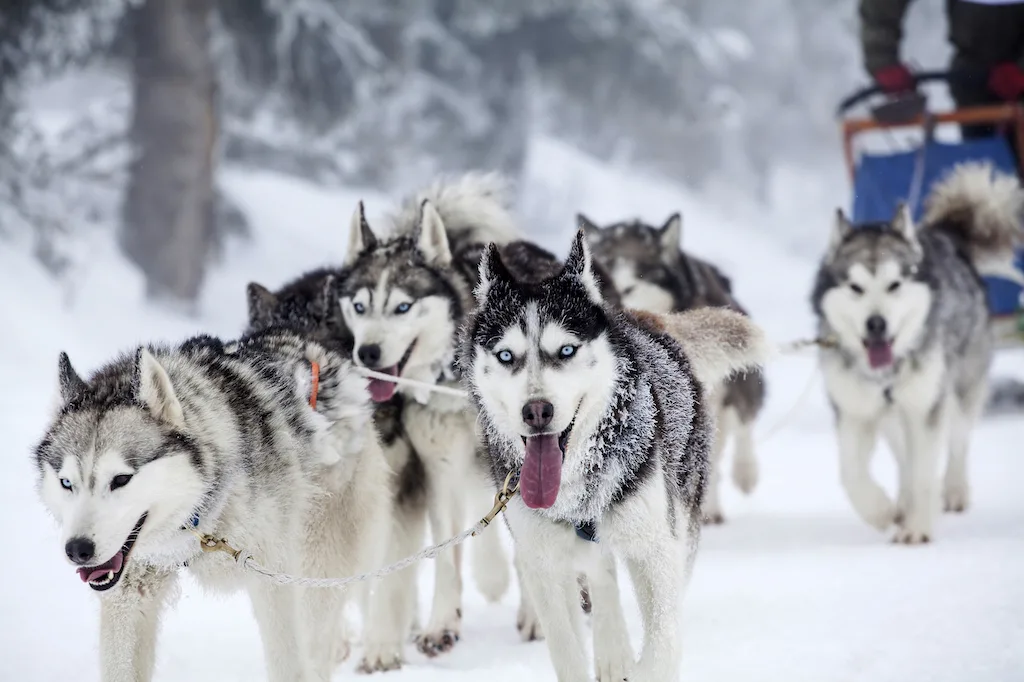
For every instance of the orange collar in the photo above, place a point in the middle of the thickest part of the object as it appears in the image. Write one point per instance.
(315, 369)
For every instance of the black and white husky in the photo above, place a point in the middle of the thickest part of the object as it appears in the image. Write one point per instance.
(265, 442)
(602, 414)
(908, 311)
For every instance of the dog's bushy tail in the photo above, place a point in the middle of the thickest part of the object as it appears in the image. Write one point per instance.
(473, 206)
(718, 342)
(984, 209)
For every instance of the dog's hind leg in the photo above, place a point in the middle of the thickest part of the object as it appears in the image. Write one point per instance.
(744, 463)
(857, 438)
(712, 501)
(963, 416)
(129, 623)
(613, 655)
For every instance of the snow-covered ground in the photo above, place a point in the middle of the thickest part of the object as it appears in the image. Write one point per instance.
(794, 587)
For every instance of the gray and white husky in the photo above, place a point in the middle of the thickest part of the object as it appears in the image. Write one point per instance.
(405, 293)
(601, 413)
(653, 273)
(265, 442)
(908, 311)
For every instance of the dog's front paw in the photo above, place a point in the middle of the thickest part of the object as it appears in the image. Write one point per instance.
(527, 623)
(955, 496)
(878, 510)
(439, 638)
(613, 662)
(381, 657)
(745, 474)
(911, 536)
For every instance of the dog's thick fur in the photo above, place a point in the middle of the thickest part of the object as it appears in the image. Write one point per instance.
(624, 398)
(220, 438)
(652, 272)
(909, 313)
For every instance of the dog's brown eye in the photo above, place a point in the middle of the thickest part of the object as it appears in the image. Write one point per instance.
(120, 481)
(894, 286)
(856, 288)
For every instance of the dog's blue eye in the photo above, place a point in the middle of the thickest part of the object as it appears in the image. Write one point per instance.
(857, 289)
(505, 357)
(120, 481)
(402, 308)
(567, 351)
(65, 483)
(359, 308)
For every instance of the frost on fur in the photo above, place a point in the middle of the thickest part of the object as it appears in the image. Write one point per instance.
(717, 341)
(474, 204)
(985, 208)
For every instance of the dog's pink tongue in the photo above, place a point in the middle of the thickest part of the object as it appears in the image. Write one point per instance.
(879, 354)
(380, 390)
(542, 471)
(96, 572)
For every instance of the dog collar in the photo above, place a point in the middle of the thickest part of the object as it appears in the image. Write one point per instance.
(193, 522)
(586, 531)
(315, 388)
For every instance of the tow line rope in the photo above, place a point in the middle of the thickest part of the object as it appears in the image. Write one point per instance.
(245, 559)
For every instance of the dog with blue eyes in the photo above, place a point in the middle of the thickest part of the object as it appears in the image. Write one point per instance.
(600, 414)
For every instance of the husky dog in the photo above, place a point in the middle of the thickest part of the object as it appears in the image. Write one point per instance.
(310, 304)
(908, 312)
(652, 273)
(403, 297)
(264, 442)
(601, 413)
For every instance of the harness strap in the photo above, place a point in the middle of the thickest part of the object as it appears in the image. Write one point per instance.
(315, 370)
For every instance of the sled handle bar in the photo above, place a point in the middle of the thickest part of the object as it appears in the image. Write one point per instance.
(921, 77)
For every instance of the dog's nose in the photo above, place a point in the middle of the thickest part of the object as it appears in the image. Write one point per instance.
(369, 355)
(876, 326)
(80, 550)
(538, 413)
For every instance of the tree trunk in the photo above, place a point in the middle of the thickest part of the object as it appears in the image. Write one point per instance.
(168, 216)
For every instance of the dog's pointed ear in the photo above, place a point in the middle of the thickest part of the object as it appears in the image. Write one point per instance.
(591, 229)
(903, 224)
(670, 237)
(360, 236)
(153, 389)
(431, 235)
(491, 269)
(841, 227)
(261, 302)
(580, 265)
(70, 384)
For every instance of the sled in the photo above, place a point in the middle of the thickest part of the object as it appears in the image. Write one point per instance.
(883, 179)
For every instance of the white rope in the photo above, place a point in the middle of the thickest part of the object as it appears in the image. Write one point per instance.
(246, 561)
(793, 411)
(414, 383)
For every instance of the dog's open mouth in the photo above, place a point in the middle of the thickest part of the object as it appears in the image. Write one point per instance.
(879, 353)
(106, 575)
(382, 390)
(541, 475)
